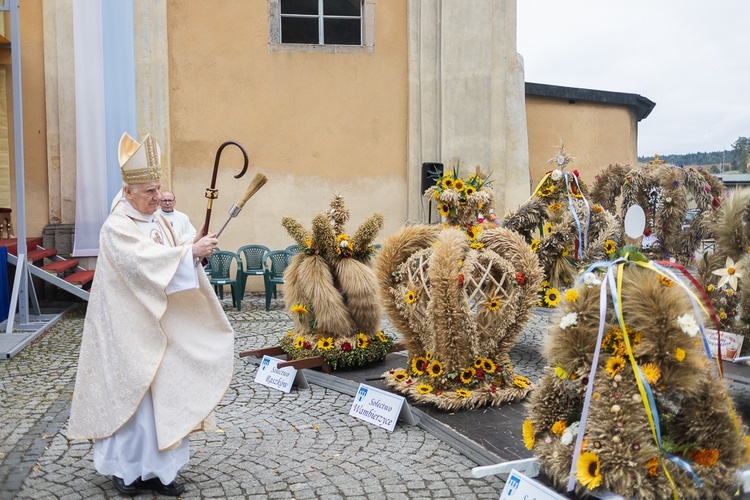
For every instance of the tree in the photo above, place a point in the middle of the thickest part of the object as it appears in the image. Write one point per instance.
(741, 153)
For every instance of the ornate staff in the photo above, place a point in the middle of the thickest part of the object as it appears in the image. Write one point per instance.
(212, 193)
(258, 181)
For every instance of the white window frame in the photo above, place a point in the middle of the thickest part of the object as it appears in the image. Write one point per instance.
(367, 23)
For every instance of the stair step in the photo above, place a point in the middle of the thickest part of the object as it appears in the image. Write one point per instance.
(37, 255)
(60, 266)
(12, 244)
(80, 277)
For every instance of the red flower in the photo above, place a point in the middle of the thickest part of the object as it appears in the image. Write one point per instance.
(575, 172)
(520, 279)
(493, 389)
(479, 374)
(460, 280)
(346, 347)
(307, 345)
(647, 231)
(409, 381)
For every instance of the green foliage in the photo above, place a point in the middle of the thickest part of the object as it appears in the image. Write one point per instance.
(733, 159)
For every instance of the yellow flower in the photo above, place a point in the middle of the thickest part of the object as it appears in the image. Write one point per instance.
(730, 292)
(476, 244)
(325, 344)
(521, 381)
(299, 342)
(534, 245)
(435, 368)
(729, 274)
(458, 185)
(419, 365)
(436, 194)
(468, 375)
(428, 355)
(544, 285)
(528, 434)
(705, 456)
(571, 295)
(547, 228)
(597, 208)
(463, 393)
(665, 281)
(308, 242)
(473, 232)
(561, 373)
(469, 191)
(722, 314)
(652, 466)
(400, 375)
(299, 308)
(362, 340)
(614, 365)
(566, 251)
(552, 297)
(410, 297)
(447, 182)
(424, 388)
(493, 304)
(610, 247)
(710, 288)
(444, 209)
(559, 427)
(679, 354)
(554, 207)
(588, 472)
(651, 373)
(489, 366)
(381, 337)
(289, 333)
(478, 363)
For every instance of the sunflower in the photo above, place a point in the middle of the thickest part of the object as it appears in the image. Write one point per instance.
(552, 297)
(459, 185)
(679, 354)
(444, 209)
(469, 191)
(400, 375)
(428, 355)
(528, 434)
(299, 308)
(289, 333)
(467, 375)
(610, 247)
(665, 281)
(362, 340)
(299, 342)
(534, 245)
(544, 285)
(419, 365)
(435, 368)
(614, 365)
(651, 373)
(424, 388)
(473, 231)
(476, 244)
(463, 393)
(652, 466)
(410, 297)
(479, 363)
(493, 304)
(489, 366)
(447, 182)
(325, 344)
(571, 295)
(554, 207)
(521, 381)
(588, 472)
(559, 427)
(381, 337)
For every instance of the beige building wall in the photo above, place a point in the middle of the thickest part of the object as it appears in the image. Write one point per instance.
(313, 123)
(594, 134)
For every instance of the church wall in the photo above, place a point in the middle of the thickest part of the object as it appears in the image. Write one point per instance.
(313, 123)
(594, 134)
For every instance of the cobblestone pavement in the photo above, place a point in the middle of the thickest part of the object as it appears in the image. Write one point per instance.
(270, 445)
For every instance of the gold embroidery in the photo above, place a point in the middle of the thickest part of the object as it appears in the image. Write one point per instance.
(156, 236)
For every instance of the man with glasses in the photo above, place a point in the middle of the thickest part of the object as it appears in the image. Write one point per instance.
(180, 221)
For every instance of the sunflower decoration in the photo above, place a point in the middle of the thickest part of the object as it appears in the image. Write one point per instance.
(650, 368)
(549, 297)
(465, 291)
(331, 291)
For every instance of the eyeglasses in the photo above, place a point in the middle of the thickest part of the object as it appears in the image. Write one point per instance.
(167, 201)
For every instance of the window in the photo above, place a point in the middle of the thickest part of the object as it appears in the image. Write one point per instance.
(321, 25)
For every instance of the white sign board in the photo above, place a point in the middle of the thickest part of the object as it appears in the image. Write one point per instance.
(377, 407)
(272, 376)
(731, 343)
(522, 487)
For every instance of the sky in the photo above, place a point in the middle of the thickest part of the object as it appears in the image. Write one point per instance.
(690, 57)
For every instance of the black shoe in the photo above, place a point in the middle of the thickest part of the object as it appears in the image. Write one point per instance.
(172, 489)
(127, 489)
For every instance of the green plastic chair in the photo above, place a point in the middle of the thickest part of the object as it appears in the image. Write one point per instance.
(252, 257)
(275, 262)
(221, 263)
(293, 249)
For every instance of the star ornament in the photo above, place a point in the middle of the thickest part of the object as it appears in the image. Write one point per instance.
(730, 274)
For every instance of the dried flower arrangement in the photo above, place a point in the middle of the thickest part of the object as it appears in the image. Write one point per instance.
(630, 403)
(460, 293)
(664, 192)
(331, 291)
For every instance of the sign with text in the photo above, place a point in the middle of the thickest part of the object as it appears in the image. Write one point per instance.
(522, 487)
(272, 376)
(377, 407)
(731, 343)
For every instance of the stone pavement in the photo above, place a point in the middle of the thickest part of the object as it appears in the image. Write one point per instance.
(270, 444)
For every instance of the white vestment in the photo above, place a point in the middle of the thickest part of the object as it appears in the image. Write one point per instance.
(157, 351)
(181, 224)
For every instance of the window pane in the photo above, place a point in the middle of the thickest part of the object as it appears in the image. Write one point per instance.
(299, 7)
(342, 7)
(342, 32)
(299, 30)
